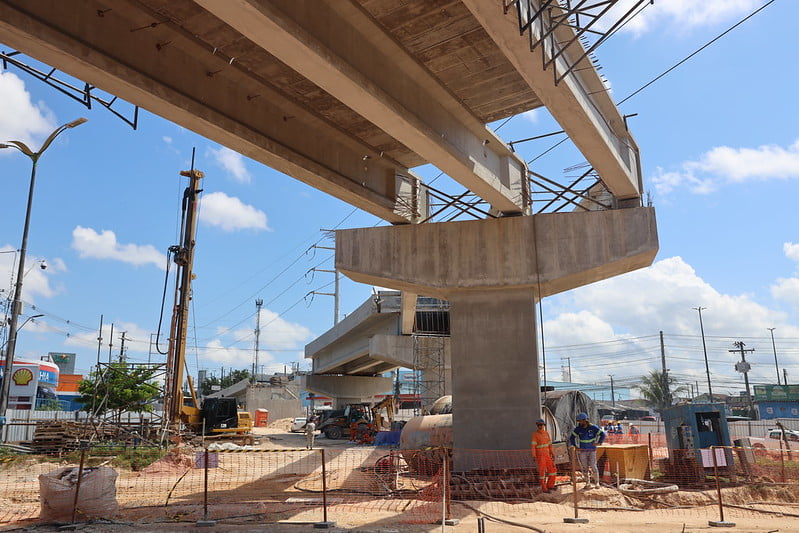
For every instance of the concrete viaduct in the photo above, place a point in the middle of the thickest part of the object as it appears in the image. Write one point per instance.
(349, 96)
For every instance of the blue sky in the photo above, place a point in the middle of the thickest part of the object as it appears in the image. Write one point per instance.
(720, 152)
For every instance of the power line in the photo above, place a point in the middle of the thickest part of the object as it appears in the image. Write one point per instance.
(728, 30)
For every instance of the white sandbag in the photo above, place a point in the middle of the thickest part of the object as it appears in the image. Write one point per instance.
(96, 498)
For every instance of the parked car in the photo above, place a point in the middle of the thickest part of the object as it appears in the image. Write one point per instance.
(649, 418)
(790, 434)
(298, 424)
(774, 441)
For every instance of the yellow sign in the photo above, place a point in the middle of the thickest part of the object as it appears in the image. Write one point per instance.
(22, 377)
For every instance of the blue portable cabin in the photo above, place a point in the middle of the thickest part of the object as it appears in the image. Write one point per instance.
(692, 427)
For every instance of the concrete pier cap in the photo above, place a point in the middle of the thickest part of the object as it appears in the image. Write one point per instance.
(550, 252)
(492, 272)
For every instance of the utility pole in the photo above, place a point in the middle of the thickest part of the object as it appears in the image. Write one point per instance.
(122, 348)
(704, 348)
(258, 303)
(665, 373)
(785, 375)
(336, 293)
(774, 347)
(99, 343)
(612, 394)
(110, 342)
(743, 367)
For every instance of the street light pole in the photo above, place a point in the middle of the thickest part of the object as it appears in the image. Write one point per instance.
(774, 347)
(704, 348)
(612, 392)
(16, 305)
(29, 319)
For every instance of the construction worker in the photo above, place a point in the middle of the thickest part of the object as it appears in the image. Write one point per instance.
(541, 444)
(310, 429)
(584, 440)
(634, 432)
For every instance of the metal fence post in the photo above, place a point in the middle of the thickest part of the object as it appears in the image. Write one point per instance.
(576, 519)
(720, 522)
(782, 461)
(325, 523)
(77, 486)
(205, 522)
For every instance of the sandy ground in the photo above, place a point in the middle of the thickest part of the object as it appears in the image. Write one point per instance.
(542, 516)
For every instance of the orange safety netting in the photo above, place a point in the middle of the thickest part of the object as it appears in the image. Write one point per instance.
(416, 486)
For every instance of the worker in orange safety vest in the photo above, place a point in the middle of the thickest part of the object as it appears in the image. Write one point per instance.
(544, 456)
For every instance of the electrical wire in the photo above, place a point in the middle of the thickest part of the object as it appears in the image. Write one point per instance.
(692, 54)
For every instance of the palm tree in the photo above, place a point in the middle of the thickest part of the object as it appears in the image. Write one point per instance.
(659, 391)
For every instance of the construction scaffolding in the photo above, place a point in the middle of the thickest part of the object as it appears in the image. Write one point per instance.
(431, 335)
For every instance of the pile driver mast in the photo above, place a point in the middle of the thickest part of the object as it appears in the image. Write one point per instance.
(183, 256)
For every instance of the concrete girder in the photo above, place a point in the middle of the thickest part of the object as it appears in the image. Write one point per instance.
(584, 108)
(349, 340)
(157, 68)
(351, 388)
(373, 75)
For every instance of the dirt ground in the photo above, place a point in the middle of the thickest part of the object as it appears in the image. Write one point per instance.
(689, 513)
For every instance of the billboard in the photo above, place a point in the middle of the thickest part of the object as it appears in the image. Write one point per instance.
(776, 393)
(65, 361)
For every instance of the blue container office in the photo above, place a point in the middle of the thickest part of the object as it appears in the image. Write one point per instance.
(692, 428)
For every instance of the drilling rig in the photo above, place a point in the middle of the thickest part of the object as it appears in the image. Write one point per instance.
(216, 416)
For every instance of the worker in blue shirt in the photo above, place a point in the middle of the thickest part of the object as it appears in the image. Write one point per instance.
(584, 439)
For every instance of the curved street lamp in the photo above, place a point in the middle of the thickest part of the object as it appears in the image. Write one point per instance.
(16, 305)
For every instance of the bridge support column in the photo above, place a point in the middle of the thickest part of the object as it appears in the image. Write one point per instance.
(495, 390)
(493, 272)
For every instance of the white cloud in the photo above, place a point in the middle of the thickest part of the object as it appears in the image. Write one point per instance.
(137, 340)
(787, 289)
(617, 320)
(662, 296)
(90, 244)
(681, 15)
(280, 332)
(532, 116)
(724, 165)
(791, 251)
(230, 213)
(21, 119)
(35, 280)
(233, 163)
(167, 139)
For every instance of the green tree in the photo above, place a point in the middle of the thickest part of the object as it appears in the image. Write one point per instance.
(657, 391)
(118, 387)
(230, 379)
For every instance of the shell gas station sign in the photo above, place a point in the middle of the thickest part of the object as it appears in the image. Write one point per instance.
(29, 380)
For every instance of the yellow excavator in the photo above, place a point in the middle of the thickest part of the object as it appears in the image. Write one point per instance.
(389, 405)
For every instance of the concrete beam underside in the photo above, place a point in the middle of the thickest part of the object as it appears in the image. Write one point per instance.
(493, 272)
(370, 73)
(580, 102)
(347, 389)
(176, 83)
